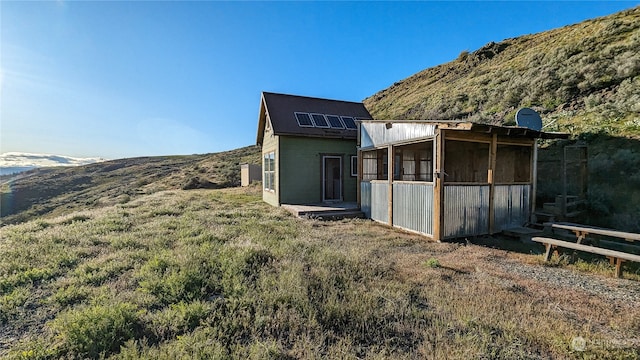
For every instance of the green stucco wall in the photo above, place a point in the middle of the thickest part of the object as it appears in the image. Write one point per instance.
(299, 164)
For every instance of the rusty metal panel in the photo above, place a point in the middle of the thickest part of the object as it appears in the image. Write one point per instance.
(511, 206)
(375, 134)
(365, 198)
(380, 201)
(413, 206)
(466, 210)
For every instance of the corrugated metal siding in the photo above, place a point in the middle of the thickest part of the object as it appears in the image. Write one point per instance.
(377, 134)
(413, 206)
(380, 201)
(511, 206)
(466, 210)
(365, 198)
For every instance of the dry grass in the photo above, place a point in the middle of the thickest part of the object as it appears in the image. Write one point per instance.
(218, 273)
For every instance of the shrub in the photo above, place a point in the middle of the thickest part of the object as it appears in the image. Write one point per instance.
(432, 263)
(70, 295)
(179, 318)
(198, 183)
(96, 330)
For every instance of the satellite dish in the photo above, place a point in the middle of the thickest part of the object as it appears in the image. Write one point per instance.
(529, 118)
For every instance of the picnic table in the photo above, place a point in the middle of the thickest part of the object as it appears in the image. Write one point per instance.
(582, 231)
(615, 257)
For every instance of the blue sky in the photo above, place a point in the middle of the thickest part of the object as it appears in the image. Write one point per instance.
(124, 79)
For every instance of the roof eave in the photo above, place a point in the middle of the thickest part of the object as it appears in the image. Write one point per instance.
(262, 116)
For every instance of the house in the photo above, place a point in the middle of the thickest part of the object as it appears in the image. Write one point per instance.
(308, 149)
(447, 179)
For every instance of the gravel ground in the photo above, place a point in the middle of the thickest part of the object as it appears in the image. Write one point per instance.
(610, 288)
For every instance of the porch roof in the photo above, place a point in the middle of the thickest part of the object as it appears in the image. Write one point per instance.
(374, 132)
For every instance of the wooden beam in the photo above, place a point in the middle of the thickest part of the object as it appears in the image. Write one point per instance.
(390, 163)
(468, 136)
(493, 150)
(534, 183)
(359, 178)
(438, 188)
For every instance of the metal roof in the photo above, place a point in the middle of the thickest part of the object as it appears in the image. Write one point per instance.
(280, 110)
(514, 131)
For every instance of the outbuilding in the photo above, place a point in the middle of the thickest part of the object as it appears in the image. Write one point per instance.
(447, 179)
(308, 149)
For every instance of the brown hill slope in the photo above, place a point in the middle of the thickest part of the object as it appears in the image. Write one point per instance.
(581, 78)
(59, 190)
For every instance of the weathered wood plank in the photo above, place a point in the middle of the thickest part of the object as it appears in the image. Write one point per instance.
(587, 248)
(615, 257)
(596, 230)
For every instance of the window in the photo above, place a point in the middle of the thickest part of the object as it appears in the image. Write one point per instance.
(414, 162)
(335, 122)
(374, 165)
(349, 122)
(304, 120)
(269, 173)
(354, 165)
(320, 121)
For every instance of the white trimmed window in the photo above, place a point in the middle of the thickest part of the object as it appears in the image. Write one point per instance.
(269, 172)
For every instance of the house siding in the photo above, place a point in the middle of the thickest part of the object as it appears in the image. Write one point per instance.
(300, 169)
(270, 143)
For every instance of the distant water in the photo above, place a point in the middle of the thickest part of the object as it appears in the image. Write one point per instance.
(9, 170)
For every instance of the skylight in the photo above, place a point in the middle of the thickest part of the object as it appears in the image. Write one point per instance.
(304, 120)
(335, 122)
(349, 122)
(320, 121)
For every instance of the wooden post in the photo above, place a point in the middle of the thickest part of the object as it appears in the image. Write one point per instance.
(534, 183)
(390, 161)
(563, 202)
(584, 173)
(438, 186)
(490, 177)
(359, 178)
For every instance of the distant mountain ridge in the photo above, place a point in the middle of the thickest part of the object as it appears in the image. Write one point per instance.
(16, 162)
(56, 190)
(582, 78)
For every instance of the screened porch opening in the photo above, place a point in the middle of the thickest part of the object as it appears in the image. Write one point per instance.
(374, 165)
(414, 162)
(466, 162)
(513, 164)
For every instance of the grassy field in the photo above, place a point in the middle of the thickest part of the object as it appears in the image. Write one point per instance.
(219, 274)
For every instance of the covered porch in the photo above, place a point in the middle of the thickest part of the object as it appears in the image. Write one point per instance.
(447, 179)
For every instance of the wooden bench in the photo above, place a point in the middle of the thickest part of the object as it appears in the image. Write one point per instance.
(582, 231)
(615, 257)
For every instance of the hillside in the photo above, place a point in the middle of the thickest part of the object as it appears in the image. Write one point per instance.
(583, 79)
(55, 191)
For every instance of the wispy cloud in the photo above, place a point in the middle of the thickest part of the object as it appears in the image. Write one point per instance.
(18, 159)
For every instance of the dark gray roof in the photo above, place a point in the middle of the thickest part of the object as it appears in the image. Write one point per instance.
(281, 109)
